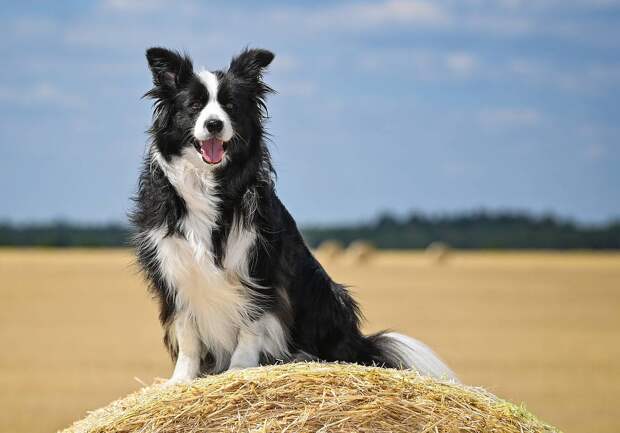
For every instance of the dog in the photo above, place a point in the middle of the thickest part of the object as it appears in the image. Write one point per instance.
(237, 286)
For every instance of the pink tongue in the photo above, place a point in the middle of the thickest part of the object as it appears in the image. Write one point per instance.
(212, 150)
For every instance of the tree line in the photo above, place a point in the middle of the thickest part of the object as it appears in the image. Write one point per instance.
(481, 230)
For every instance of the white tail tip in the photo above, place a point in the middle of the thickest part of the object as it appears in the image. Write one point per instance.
(418, 356)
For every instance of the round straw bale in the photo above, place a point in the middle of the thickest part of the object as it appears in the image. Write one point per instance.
(311, 397)
(330, 250)
(359, 252)
(438, 252)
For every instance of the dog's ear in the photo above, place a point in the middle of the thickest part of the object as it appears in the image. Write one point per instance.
(170, 68)
(251, 63)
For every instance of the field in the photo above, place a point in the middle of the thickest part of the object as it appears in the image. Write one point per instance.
(78, 329)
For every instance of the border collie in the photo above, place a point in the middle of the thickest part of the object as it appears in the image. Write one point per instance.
(236, 283)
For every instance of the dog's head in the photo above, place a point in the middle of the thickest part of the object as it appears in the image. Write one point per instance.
(212, 118)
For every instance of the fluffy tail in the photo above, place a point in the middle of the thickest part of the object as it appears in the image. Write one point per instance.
(405, 352)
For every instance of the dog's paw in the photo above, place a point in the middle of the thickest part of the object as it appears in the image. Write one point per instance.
(235, 367)
(177, 381)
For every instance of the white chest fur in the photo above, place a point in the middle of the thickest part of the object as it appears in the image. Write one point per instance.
(211, 296)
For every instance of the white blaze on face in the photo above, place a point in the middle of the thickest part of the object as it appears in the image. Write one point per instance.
(212, 111)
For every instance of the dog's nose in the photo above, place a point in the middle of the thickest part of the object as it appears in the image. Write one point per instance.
(214, 125)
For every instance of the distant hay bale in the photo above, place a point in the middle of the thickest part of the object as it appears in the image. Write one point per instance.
(438, 252)
(359, 252)
(330, 250)
(311, 397)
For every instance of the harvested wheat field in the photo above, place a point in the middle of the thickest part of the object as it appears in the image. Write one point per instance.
(78, 329)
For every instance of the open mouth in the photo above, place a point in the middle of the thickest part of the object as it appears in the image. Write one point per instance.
(211, 150)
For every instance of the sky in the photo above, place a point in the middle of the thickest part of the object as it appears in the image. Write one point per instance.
(437, 106)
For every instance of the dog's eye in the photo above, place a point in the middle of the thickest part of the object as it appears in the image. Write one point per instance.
(196, 105)
(230, 106)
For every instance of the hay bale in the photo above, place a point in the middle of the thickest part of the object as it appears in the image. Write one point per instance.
(359, 252)
(330, 250)
(311, 397)
(438, 252)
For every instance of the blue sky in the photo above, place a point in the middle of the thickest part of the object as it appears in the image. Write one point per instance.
(438, 106)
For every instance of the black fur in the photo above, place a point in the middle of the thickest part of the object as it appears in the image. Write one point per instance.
(322, 319)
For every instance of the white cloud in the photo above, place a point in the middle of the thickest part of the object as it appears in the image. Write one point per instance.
(562, 19)
(440, 66)
(393, 11)
(510, 117)
(506, 18)
(286, 63)
(498, 24)
(300, 88)
(129, 32)
(40, 94)
(422, 64)
(134, 5)
(356, 16)
(598, 139)
(461, 63)
(580, 78)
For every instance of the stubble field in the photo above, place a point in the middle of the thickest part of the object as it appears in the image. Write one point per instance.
(79, 330)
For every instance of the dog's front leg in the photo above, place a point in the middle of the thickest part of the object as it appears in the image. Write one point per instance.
(187, 366)
(266, 336)
(247, 352)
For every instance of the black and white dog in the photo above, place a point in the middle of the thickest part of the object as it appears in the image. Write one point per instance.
(236, 283)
